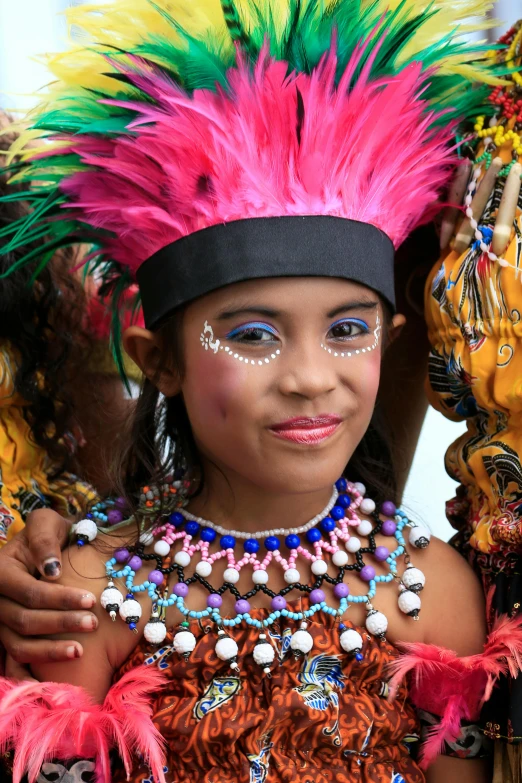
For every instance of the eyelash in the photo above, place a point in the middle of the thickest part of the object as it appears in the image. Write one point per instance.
(239, 333)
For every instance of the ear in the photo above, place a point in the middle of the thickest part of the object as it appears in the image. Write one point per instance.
(144, 349)
(397, 324)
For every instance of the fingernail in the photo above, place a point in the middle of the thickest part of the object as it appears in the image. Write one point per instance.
(87, 601)
(52, 567)
(73, 652)
(88, 623)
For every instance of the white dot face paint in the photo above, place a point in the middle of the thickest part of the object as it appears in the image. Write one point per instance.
(209, 343)
(357, 351)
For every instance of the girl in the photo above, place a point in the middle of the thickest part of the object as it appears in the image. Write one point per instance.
(254, 171)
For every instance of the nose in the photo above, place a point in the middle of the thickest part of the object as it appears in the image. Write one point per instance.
(308, 372)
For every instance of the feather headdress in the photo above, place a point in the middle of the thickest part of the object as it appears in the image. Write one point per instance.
(175, 130)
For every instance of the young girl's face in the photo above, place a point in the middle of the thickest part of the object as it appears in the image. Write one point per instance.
(281, 377)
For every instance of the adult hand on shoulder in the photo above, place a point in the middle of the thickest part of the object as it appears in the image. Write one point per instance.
(32, 610)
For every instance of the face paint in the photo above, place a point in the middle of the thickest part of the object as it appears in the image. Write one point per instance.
(357, 351)
(209, 343)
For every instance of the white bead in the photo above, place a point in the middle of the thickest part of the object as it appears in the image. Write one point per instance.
(292, 576)
(413, 579)
(339, 558)
(111, 596)
(184, 642)
(409, 603)
(365, 528)
(367, 506)
(161, 548)
(155, 633)
(146, 538)
(377, 623)
(353, 544)
(204, 568)
(419, 537)
(226, 648)
(231, 575)
(319, 567)
(130, 608)
(301, 642)
(86, 527)
(182, 559)
(263, 654)
(361, 489)
(260, 577)
(351, 641)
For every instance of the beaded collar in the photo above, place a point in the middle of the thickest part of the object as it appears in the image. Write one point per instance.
(331, 544)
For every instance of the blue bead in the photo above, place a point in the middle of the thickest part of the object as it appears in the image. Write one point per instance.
(272, 543)
(292, 541)
(227, 542)
(192, 528)
(88, 516)
(337, 512)
(80, 542)
(344, 501)
(341, 485)
(207, 534)
(327, 525)
(251, 546)
(313, 535)
(359, 657)
(176, 519)
(132, 626)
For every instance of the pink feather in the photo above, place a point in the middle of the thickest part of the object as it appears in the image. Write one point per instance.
(367, 152)
(456, 688)
(47, 720)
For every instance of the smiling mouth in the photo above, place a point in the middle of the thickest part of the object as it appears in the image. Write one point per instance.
(307, 431)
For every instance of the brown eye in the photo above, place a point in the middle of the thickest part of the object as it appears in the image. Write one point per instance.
(347, 329)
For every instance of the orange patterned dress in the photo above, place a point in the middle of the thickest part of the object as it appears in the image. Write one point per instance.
(320, 719)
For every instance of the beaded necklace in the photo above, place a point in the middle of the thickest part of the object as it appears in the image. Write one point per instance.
(328, 535)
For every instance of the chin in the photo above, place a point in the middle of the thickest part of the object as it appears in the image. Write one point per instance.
(306, 473)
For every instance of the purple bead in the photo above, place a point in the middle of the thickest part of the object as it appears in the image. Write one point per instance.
(381, 553)
(156, 577)
(341, 590)
(389, 527)
(120, 503)
(278, 603)
(114, 516)
(242, 606)
(388, 508)
(317, 596)
(367, 573)
(121, 555)
(181, 589)
(214, 601)
(135, 563)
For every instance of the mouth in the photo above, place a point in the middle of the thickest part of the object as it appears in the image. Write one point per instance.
(308, 431)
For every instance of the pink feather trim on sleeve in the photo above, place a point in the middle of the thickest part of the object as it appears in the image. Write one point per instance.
(456, 688)
(49, 720)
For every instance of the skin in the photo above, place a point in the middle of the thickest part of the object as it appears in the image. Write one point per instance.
(232, 408)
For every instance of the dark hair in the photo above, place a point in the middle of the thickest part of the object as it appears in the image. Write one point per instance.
(160, 440)
(42, 322)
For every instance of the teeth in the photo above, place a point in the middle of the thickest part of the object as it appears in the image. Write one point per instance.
(507, 210)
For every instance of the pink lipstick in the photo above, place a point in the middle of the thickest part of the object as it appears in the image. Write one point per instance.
(308, 431)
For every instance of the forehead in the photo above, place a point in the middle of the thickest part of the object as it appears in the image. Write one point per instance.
(286, 295)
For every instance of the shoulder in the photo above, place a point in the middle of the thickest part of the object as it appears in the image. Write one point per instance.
(453, 603)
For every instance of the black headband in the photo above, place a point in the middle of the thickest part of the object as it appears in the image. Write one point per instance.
(300, 246)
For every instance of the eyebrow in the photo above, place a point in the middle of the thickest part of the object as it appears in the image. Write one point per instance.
(267, 312)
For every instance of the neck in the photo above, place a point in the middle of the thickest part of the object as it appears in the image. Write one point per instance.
(236, 503)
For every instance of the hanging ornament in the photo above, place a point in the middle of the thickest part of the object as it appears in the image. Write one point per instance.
(184, 642)
(85, 531)
(351, 642)
(413, 579)
(419, 537)
(409, 603)
(130, 611)
(111, 599)
(155, 631)
(301, 642)
(227, 650)
(376, 623)
(264, 653)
